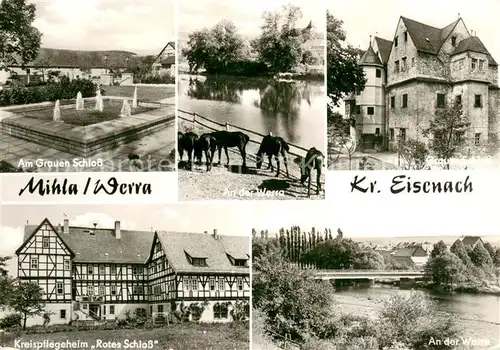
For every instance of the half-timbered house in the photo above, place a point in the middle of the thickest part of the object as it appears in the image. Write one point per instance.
(100, 274)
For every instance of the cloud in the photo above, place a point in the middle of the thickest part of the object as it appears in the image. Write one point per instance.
(102, 220)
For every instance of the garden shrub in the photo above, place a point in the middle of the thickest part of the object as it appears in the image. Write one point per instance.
(246, 68)
(65, 89)
(9, 321)
(164, 78)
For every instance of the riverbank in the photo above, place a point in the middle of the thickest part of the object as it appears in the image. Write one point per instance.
(312, 75)
(486, 288)
(476, 315)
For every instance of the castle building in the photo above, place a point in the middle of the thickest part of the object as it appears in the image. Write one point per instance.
(424, 68)
(101, 274)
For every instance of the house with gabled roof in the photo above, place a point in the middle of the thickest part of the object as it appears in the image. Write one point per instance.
(424, 68)
(92, 273)
(165, 60)
(471, 241)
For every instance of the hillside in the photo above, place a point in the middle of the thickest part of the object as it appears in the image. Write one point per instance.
(48, 57)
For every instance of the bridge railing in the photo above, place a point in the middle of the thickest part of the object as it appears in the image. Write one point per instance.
(385, 272)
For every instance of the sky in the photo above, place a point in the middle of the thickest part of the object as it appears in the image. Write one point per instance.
(228, 219)
(246, 15)
(379, 216)
(143, 27)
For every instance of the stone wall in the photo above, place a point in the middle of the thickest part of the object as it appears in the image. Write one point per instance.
(494, 114)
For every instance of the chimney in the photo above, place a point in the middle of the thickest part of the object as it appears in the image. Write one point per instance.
(66, 226)
(205, 232)
(59, 228)
(215, 234)
(118, 234)
(95, 227)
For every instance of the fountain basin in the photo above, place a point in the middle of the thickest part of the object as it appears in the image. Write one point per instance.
(85, 140)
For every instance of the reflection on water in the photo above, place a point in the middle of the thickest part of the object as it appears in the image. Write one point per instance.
(479, 314)
(293, 110)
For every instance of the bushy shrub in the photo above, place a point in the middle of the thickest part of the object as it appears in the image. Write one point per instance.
(164, 78)
(140, 316)
(65, 89)
(9, 321)
(246, 68)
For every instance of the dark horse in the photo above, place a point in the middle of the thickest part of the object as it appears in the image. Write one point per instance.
(206, 143)
(314, 160)
(186, 142)
(227, 139)
(273, 146)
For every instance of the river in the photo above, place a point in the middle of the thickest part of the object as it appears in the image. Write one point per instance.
(294, 110)
(479, 314)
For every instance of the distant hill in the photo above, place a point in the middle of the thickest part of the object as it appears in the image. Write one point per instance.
(448, 240)
(82, 59)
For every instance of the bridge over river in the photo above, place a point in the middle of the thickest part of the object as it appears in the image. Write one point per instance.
(366, 274)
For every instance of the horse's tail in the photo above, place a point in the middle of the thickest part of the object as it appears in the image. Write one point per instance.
(245, 139)
(286, 146)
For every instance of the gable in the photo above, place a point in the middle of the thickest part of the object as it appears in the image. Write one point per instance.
(45, 240)
(458, 30)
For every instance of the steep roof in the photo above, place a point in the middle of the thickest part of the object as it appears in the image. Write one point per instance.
(170, 43)
(384, 48)
(61, 58)
(168, 60)
(470, 240)
(370, 58)
(403, 252)
(473, 43)
(214, 250)
(133, 247)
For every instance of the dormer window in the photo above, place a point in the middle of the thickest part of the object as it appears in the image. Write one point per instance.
(237, 259)
(199, 262)
(196, 261)
(454, 41)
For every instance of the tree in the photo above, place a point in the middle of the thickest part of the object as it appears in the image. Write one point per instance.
(446, 132)
(496, 258)
(280, 44)
(369, 259)
(343, 73)
(459, 250)
(340, 253)
(480, 256)
(490, 249)
(414, 154)
(438, 249)
(292, 302)
(445, 269)
(19, 39)
(3, 265)
(214, 49)
(27, 300)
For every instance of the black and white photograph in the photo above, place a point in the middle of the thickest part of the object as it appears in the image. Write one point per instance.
(251, 100)
(87, 86)
(328, 282)
(413, 85)
(152, 277)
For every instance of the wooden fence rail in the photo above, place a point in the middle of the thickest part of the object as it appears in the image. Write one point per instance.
(195, 120)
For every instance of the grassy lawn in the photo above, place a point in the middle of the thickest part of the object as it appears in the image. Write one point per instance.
(150, 93)
(88, 116)
(175, 336)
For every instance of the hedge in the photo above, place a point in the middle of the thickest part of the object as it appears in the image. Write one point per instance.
(157, 79)
(65, 89)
